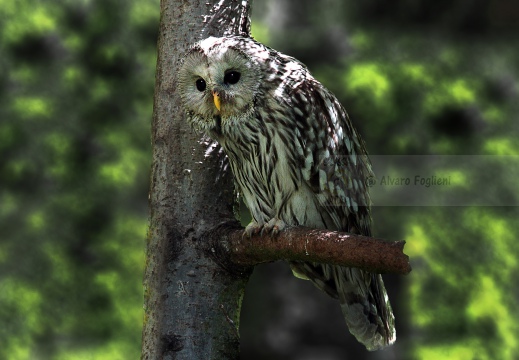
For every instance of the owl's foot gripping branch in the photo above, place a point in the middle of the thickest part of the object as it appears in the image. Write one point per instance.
(233, 250)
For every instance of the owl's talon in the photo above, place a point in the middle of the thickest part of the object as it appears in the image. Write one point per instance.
(274, 226)
(252, 229)
(264, 230)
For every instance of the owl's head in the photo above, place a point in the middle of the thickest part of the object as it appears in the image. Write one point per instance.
(218, 83)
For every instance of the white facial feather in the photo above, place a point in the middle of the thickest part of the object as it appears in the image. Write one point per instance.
(210, 60)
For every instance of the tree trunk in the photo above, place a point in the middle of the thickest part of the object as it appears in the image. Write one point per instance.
(192, 305)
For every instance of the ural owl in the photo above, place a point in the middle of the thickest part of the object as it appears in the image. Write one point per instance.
(296, 158)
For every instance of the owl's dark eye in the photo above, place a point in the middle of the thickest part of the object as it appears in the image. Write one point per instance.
(200, 84)
(231, 77)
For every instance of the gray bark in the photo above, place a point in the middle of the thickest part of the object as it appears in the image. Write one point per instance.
(192, 304)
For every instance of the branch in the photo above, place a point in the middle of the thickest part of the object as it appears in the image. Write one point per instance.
(305, 244)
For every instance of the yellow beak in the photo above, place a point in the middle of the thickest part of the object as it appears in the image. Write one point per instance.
(216, 98)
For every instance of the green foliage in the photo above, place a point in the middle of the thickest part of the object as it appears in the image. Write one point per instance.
(448, 97)
(448, 103)
(76, 87)
(462, 292)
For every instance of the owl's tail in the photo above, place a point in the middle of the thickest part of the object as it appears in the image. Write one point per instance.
(363, 299)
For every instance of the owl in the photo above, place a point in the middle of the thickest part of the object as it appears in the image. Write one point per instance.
(296, 159)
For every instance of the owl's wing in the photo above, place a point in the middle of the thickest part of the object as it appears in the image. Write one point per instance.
(334, 161)
(335, 165)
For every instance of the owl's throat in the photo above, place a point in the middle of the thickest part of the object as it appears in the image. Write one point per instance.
(217, 124)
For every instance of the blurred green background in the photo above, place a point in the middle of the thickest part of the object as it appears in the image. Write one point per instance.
(421, 78)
